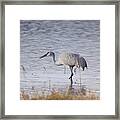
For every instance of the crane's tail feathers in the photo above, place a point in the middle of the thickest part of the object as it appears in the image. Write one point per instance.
(84, 68)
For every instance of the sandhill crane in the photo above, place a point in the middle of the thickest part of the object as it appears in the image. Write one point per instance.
(69, 59)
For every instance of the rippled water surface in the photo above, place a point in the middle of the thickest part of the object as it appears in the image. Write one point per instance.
(40, 36)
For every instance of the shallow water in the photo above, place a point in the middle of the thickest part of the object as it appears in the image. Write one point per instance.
(38, 37)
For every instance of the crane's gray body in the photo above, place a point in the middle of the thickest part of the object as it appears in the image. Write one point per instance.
(69, 59)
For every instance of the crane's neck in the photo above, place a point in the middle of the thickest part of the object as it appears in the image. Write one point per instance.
(53, 55)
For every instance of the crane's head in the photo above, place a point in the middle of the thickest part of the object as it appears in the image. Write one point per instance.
(49, 54)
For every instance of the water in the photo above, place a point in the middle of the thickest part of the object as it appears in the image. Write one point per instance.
(37, 37)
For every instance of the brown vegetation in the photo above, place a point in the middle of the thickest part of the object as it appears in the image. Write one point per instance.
(70, 94)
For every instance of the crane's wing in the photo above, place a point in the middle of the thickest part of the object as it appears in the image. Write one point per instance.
(83, 63)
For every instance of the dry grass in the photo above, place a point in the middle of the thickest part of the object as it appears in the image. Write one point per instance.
(57, 95)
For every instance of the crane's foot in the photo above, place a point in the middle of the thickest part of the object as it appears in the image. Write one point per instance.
(71, 82)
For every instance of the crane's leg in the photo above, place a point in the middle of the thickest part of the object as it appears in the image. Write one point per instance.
(71, 69)
(64, 69)
(75, 70)
(80, 78)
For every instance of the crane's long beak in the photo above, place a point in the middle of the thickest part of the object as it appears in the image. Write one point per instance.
(43, 56)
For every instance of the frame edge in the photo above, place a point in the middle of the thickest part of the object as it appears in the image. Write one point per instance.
(2, 60)
(2, 55)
